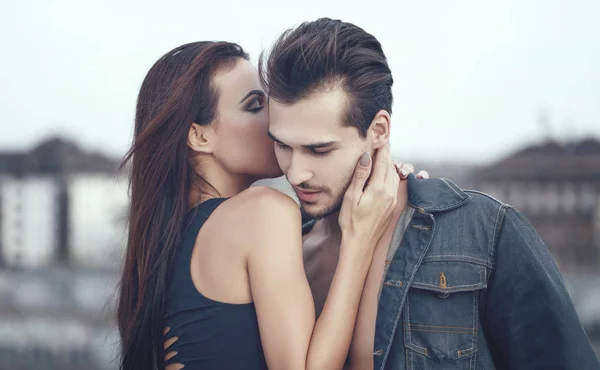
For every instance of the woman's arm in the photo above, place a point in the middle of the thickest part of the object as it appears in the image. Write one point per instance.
(284, 304)
(290, 336)
(360, 356)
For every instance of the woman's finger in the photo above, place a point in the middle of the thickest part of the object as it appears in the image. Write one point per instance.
(404, 170)
(382, 163)
(398, 165)
(391, 184)
(423, 175)
(409, 168)
(361, 174)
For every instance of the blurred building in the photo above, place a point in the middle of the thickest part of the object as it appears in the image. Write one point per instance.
(62, 210)
(57, 318)
(28, 229)
(557, 187)
(60, 204)
(98, 205)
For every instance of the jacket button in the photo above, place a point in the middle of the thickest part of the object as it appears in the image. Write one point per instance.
(443, 295)
(395, 283)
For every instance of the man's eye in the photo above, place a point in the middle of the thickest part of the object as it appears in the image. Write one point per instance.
(281, 146)
(320, 151)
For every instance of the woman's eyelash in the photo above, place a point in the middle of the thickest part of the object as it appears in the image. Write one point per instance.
(257, 104)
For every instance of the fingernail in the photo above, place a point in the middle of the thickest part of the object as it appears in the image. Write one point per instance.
(364, 159)
(404, 172)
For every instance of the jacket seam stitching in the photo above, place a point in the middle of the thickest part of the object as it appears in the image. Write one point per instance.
(406, 293)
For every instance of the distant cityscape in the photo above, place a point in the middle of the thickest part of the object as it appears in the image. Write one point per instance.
(63, 222)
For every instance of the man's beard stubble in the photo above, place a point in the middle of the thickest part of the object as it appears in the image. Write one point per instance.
(333, 208)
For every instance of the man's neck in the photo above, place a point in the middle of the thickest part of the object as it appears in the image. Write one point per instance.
(330, 225)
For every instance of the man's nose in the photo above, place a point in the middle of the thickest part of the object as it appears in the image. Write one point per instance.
(299, 171)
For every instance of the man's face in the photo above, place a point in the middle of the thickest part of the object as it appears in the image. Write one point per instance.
(316, 152)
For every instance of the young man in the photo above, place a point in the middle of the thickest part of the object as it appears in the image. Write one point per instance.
(459, 280)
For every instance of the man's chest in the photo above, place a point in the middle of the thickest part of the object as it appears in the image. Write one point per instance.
(321, 255)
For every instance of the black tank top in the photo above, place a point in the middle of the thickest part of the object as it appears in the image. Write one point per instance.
(212, 335)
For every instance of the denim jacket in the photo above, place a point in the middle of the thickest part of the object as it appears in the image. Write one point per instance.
(472, 286)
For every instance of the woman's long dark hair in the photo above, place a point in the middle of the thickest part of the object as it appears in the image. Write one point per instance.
(176, 92)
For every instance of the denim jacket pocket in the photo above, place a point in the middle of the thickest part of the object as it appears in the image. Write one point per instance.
(441, 315)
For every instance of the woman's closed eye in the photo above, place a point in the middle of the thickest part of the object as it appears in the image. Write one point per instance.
(256, 104)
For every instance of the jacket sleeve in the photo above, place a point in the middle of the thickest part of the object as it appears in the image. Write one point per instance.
(529, 319)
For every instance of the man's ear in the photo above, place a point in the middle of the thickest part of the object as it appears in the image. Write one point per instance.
(379, 131)
(201, 138)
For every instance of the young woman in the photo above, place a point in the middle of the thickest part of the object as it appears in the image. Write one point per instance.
(213, 268)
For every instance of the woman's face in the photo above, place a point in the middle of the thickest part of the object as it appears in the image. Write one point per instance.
(243, 146)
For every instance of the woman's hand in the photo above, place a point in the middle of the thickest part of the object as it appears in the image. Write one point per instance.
(370, 200)
(404, 169)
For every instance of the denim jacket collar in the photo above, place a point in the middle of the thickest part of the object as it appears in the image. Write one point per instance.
(435, 195)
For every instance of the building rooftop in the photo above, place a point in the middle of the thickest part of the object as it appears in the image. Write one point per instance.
(55, 156)
(550, 161)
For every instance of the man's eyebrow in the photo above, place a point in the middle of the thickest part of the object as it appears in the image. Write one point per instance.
(253, 92)
(307, 146)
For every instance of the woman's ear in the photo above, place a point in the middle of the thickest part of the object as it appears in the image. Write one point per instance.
(201, 138)
(379, 130)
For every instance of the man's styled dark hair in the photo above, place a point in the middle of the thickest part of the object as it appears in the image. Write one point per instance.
(326, 54)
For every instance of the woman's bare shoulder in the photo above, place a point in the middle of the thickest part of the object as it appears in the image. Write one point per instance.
(263, 202)
(260, 208)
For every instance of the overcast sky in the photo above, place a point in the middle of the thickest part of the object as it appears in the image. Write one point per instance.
(470, 76)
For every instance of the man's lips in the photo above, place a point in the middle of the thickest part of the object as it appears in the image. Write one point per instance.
(307, 195)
